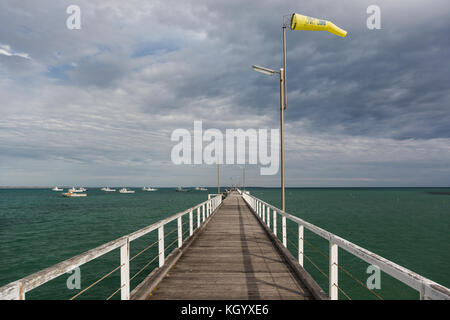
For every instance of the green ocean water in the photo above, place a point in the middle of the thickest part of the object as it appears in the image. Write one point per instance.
(39, 228)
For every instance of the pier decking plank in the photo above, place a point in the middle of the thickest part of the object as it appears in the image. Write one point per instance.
(233, 258)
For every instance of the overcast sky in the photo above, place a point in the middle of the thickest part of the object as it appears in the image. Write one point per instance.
(97, 106)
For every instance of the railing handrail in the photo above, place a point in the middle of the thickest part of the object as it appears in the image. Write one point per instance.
(19, 287)
(426, 287)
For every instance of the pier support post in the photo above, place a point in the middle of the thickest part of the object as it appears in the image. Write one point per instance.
(333, 292)
(161, 245)
(191, 224)
(180, 232)
(125, 271)
(300, 244)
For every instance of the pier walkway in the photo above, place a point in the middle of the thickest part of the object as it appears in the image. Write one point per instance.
(233, 258)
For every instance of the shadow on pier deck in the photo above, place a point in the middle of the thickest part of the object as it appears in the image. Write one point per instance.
(233, 257)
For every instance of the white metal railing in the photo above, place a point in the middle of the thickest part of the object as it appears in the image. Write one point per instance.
(428, 289)
(16, 290)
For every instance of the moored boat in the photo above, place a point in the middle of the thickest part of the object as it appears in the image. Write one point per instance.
(125, 190)
(108, 189)
(149, 189)
(74, 195)
(57, 189)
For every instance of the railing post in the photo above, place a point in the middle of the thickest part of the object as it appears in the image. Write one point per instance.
(300, 244)
(180, 232)
(333, 292)
(283, 226)
(198, 217)
(268, 217)
(275, 223)
(263, 213)
(125, 271)
(17, 293)
(191, 224)
(161, 245)
(203, 213)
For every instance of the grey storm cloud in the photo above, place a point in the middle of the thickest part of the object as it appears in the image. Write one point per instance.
(100, 103)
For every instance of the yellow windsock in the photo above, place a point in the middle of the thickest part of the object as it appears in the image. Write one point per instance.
(301, 22)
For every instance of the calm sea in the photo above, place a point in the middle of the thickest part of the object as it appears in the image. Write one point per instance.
(409, 226)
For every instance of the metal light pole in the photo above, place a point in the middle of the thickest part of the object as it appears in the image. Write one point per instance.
(282, 74)
(243, 179)
(218, 177)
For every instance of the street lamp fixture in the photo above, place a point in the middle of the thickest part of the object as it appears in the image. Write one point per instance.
(263, 70)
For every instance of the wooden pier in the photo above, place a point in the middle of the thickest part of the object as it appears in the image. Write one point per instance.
(233, 258)
(229, 247)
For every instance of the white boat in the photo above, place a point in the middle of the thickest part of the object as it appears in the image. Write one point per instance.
(107, 189)
(74, 195)
(201, 189)
(57, 189)
(149, 189)
(73, 190)
(125, 190)
(83, 189)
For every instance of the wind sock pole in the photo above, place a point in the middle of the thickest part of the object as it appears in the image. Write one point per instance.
(283, 105)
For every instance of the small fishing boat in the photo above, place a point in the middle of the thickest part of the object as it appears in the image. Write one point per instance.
(125, 190)
(108, 189)
(73, 190)
(57, 189)
(74, 195)
(149, 189)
